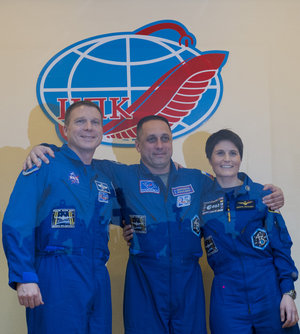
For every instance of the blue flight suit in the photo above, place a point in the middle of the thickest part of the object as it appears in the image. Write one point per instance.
(163, 288)
(55, 234)
(248, 248)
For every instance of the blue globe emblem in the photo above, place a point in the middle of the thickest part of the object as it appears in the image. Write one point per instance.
(114, 71)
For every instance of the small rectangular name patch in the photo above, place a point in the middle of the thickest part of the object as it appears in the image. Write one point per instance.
(102, 187)
(63, 218)
(183, 190)
(245, 205)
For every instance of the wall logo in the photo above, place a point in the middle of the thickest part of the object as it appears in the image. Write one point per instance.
(155, 70)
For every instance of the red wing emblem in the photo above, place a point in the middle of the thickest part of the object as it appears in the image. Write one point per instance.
(173, 96)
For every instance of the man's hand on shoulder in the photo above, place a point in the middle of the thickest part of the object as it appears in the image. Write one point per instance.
(275, 200)
(37, 155)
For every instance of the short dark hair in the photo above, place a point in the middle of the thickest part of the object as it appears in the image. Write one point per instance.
(147, 119)
(223, 134)
(79, 104)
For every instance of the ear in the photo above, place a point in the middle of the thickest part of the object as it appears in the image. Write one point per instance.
(137, 146)
(65, 130)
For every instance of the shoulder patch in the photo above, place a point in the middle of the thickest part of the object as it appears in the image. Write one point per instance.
(274, 211)
(31, 170)
(208, 175)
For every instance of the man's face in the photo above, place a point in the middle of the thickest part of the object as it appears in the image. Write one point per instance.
(155, 146)
(84, 130)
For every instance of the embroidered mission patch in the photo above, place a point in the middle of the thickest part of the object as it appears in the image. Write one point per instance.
(63, 218)
(210, 246)
(195, 224)
(260, 239)
(138, 223)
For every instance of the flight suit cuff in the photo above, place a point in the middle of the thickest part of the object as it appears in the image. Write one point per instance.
(286, 286)
(27, 277)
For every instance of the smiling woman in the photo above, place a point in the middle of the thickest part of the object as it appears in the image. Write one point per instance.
(244, 241)
(224, 151)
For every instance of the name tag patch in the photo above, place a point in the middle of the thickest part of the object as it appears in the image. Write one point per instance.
(63, 218)
(183, 201)
(138, 223)
(183, 190)
(213, 206)
(210, 246)
(260, 239)
(195, 224)
(245, 205)
(149, 186)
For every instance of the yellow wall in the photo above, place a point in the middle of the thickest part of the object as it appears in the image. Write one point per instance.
(260, 102)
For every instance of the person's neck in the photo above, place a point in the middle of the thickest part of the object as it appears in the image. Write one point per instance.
(85, 156)
(159, 170)
(229, 182)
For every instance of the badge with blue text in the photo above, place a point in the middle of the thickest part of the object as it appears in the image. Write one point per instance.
(182, 190)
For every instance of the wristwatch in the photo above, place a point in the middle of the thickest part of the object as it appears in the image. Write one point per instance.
(292, 294)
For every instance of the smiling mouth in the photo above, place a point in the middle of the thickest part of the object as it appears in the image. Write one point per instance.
(88, 137)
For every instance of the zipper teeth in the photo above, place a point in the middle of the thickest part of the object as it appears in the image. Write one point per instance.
(240, 258)
(228, 211)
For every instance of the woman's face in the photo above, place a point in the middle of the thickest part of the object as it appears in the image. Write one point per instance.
(225, 159)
